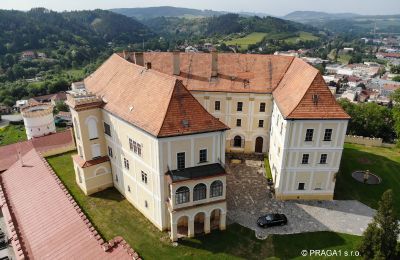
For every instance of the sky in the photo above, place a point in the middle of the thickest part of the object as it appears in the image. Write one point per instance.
(277, 8)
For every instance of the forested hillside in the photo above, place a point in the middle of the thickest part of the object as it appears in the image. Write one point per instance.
(70, 45)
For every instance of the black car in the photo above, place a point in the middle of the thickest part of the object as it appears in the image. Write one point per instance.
(270, 220)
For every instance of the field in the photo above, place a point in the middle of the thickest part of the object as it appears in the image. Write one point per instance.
(384, 162)
(12, 134)
(303, 36)
(113, 215)
(244, 42)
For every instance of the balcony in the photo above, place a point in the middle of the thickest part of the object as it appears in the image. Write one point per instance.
(198, 172)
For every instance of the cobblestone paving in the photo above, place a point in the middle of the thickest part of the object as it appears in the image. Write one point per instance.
(249, 198)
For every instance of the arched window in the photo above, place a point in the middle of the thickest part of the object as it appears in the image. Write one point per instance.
(92, 128)
(216, 189)
(100, 171)
(199, 192)
(182, 195)
(76, 129)
(237, 141)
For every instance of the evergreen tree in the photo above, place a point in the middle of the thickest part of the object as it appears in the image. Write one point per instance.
(380, 238)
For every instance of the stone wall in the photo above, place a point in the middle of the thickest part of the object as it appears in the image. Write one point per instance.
(368, 141)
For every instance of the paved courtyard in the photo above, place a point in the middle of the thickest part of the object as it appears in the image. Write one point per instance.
(249, 197)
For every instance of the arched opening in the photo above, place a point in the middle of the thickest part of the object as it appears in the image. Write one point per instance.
(182, 195)
(92, 128)
(259, 144)
(215, 219)
(100, 171)
(237, 141)
(216, 189)
(199, 192)
(182, 226)
(199, 223)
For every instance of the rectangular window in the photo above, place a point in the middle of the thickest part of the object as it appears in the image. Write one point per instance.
(110, 152)
(96, 153)
(328, 135)
(144, 177)
(126, 164)
(203, 155)
(262, 107)
(180, 161)
(217, 105)
(239, 106)
(309, 135)
(238, 122)
(281, 127)
(323, 158)
(107, 129)
(260, 123)
(305, 158)
(129, 188)
(135, 147)
(301, 186)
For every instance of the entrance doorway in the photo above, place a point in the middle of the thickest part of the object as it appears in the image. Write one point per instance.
(259, 145)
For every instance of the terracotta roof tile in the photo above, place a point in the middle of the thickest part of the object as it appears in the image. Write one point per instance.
(9, 153)
(44, 215)
(294, 94)
(83, 164)
(150, 100)
(262, 72)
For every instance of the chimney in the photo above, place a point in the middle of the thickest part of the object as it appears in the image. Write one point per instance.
(176, 61)
(124, 54)
(148, 65)
(214, 63)
(139, 59)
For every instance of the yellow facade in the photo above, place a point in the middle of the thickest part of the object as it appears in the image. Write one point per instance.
(255, 107)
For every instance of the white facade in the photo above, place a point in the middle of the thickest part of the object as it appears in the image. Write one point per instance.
(305, 166)
(38, 120)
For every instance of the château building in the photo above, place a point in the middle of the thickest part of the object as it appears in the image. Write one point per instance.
(157, 125)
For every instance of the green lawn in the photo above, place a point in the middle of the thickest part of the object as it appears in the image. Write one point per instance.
(12, 134)
(244, 42)
(115, 216)
(303, 36)
(384, 162)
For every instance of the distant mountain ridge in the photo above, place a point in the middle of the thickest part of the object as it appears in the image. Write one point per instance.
(170, 11)
(299, 16)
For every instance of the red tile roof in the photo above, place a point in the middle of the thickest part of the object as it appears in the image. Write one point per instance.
(47, 220)
(153, 101)
(262, 73)
(294, 94)
(83, 164)
(9, 153)
(288, 78)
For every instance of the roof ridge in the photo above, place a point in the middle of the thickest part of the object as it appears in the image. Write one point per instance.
(169, 105)
(308, 88)
(283, 75)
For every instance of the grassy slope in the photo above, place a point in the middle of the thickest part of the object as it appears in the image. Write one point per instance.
(12, 134)
(113, 215)
(303, 36)
(244, 42)
(384, 162)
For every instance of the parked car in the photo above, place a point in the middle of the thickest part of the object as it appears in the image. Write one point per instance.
(270, 220)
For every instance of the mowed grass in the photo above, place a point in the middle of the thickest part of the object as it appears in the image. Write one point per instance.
(12, 134)
(303, 36)
(244, 42)
(384, 162)
(113, 215)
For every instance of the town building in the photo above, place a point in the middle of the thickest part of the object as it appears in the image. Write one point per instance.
(38, 120)
(157, 126)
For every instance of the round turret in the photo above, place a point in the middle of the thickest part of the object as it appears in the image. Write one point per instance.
(38, 120)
